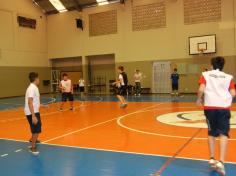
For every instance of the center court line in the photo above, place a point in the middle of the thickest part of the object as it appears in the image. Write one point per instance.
(97, 124)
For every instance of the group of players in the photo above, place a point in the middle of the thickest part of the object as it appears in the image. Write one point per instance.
(216, 93)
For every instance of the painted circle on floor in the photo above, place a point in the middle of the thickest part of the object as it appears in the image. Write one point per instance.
(194, 119)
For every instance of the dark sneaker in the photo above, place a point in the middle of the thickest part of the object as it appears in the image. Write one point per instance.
(38, 141)
(34, 151)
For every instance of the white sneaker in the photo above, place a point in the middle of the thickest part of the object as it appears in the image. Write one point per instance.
(34, 151)
(220, 168)
(212, 162)
(123, 105)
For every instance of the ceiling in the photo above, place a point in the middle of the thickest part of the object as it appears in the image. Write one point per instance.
(70, 5)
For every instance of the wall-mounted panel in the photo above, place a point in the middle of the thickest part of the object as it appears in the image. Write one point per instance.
(150, 16)
(202, 11)
(103, 23)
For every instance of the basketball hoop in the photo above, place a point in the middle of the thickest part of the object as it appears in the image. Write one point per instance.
(201, 51)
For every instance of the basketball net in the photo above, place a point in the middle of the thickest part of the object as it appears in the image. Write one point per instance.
(201, 51)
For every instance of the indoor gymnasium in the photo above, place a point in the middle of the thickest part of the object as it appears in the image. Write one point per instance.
(117, 87)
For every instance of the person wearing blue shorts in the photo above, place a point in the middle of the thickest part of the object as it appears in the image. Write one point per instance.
(32, 105)
(216, 93)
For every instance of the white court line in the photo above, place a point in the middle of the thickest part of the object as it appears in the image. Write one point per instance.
(158, 134)
(50, 113)
(4, 155)
(19, 107)
(97, 124)
(115, 151)
(19, 150)
(20, 104)
(6, 103)
(52, 101)
(55, 112)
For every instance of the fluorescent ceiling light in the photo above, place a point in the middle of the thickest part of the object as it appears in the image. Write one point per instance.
(35, 2)
(58, 5)
(64, 10)
(102, 2)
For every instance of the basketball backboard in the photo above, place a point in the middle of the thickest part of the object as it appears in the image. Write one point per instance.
(202, 44)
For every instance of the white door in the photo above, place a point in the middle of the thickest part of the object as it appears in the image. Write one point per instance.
(161, 77)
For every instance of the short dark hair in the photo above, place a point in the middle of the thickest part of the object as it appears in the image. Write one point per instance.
(218, 62)
(175, 69)
(33, 76)
(121, 68)
(64, 74)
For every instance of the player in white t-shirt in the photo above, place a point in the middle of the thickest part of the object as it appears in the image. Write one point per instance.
(67, 91)
(137, 80)
(81, 87)
(32, 105)
(216, 92)
(121, 83)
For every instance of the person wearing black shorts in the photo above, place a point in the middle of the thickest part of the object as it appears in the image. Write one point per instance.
(67, 91)
(122, 91)
(32, 105)
(67, 96)
(216, 92)
(121, 83)
(35, 129)
(218, 121)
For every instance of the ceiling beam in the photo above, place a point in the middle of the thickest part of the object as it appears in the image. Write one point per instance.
(51, 12)
(78, 6)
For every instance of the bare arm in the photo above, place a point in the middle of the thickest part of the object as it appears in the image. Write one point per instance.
(233, 92)
(116, 82)
(232, 88)
(60, 86)
(72, 88)
(31, 108)
(200, 94)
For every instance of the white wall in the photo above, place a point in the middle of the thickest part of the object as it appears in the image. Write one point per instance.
(22, 46)
(64, 39)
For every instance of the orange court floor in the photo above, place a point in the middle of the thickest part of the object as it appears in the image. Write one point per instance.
(104, 125)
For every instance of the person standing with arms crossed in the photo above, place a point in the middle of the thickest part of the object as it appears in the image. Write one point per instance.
(32, 105)
(216, 92)
(81, 87)
(67, 91)
(137, 81)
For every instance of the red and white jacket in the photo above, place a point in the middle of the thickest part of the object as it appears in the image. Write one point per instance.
(217, 92)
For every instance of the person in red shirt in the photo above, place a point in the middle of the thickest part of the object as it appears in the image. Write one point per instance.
(216, 93)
